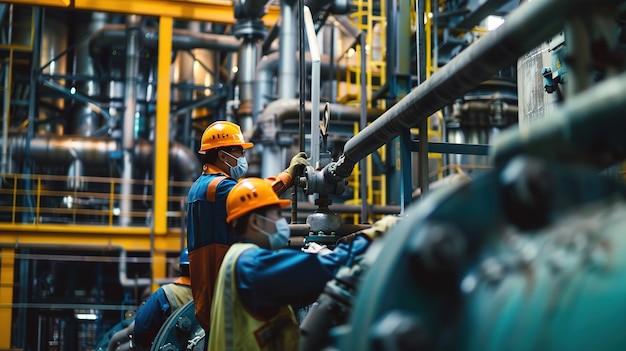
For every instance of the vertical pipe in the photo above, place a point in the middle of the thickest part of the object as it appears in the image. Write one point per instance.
(315, 87)
(128, 133)
(331, 69)
(32, 109)
(302, 71)
(287, 81)
(273, 156)
(294, 190)
(7, 68)
(421, 77)
(363, 124)
(287, 74)
(248, 58)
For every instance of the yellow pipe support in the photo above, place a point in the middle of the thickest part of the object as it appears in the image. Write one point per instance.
(159, 268)
(216, 11)
(161, 164)
(7, 267)
(53, 3)
(128, 242)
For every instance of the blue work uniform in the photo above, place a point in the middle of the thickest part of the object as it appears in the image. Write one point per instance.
(160, 305)
(208, 237)
(266, 282)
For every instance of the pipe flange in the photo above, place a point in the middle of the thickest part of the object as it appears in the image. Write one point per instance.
(250, 29)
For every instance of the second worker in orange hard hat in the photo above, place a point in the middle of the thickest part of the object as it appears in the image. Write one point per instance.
(222, 153)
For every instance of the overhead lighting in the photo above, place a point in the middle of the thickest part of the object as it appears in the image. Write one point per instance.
(86, 316)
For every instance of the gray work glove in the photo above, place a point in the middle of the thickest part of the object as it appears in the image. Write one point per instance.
(297, 164)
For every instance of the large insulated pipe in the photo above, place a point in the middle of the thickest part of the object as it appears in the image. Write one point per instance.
(100, 152)
(287, 70)
(524, 29)
(182, 39)
(251, 29)
(248, 58)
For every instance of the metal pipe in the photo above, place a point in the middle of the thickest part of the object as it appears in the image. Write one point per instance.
(524, 29)
(315, 88)
(6, 68)
(128, 124)
(267, 69)
(100, 152)
(182, 39)
(420, 37)
(249, 8)
(288, 74)
(248, 58)
(281, 110)
(348, 26)
(123, 276)
(362, 124)
(33, 111)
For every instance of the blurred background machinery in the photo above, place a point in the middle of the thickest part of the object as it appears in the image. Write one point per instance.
(104, 104)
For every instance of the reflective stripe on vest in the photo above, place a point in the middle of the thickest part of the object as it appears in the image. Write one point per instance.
(177, 295)
(212, 188)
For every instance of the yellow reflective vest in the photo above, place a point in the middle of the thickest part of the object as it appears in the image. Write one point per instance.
(234, 328)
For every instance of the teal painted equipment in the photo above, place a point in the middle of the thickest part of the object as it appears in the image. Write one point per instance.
(531, 256)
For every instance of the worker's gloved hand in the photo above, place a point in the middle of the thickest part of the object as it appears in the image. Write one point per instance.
(297, 164)
(377, 230)
(316, 248)
(380, 227)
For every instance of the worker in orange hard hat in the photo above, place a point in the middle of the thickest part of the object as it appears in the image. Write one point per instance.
(161, 304)
(222, 152)
(260, 282)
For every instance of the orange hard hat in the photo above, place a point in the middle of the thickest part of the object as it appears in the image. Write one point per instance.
(250, 194)
(222, 134)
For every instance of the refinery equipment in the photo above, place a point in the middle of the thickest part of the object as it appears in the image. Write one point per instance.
(104, 103)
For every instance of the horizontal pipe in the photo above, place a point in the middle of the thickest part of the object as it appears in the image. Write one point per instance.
(63, 150)
(182, 39)
(287, 109)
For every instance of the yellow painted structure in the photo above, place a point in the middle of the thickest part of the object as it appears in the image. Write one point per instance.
(155, 236)
(7, 265)
(216, 11)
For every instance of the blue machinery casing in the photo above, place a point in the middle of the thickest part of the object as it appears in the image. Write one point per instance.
(526, 257)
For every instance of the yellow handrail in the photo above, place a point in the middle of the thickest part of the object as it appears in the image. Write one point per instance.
(95, 200)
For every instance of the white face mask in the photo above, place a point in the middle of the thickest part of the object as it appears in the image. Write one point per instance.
(240, 169)
(280, 237)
